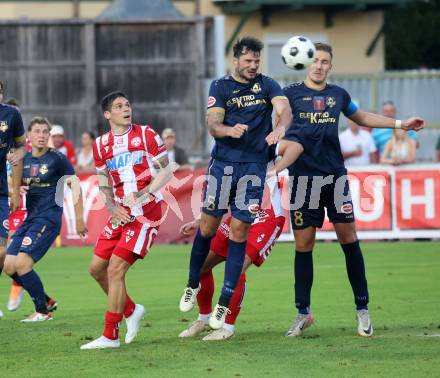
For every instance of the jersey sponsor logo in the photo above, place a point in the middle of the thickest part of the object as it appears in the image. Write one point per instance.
(26, 241)
(136, 142)
(245, 101)
(317, 117)
(44, 169)
(307, 98)
(124, 160)
(3, 126)
(260, 238)
(6, 224)
(34, 170)
(347, 208)
(330, 102)
(211, 101)
(318, 103)
(256, 88)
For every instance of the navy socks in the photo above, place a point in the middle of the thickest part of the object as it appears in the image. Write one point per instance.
(303, 280)
(33, 285)
(200, 250)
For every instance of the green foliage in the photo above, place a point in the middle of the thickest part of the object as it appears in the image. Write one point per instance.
(403, 279)
(411, 36)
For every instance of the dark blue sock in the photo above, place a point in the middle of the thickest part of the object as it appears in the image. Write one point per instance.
(233, 268)
(356, 273)
(200, 250)
(33, 285)
(303, 280)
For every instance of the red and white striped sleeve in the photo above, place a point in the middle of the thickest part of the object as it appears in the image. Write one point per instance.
(97, 154)
(155, 146)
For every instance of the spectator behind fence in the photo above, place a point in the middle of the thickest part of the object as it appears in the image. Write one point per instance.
(86, 164)
(175, 154)
(401, 149)
(437, 150)
(383, 136)
(357, 145)
(60, 143)
(2, 90)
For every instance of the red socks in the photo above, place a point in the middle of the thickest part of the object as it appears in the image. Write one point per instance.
(236, 300)
(111, 325)
(204, 298)
(129, 307)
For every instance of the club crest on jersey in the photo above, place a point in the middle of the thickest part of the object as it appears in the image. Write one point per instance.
(34, 170)
(256, 88)
(136, 142)
(44, 169)
(330, 102)
(211, 101)
(124, 160)
(318, 103)
(3, 126)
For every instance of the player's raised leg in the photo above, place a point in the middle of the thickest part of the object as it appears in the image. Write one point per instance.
(200, 249)
(355, 265)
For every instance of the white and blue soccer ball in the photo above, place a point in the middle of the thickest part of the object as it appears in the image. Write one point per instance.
(298, 52)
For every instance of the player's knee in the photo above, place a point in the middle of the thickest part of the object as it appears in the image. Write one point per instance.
(97, 272)
(239, 232)
(115, 271)
(22, 267)
(207, 231)
(9, 267)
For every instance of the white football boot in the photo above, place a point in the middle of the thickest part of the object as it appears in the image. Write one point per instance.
(300, 323)
(37, 317)
(101, 343)
(219, 334)
(365, 328)
(218, 316)
(188, 299)
(196, 328)
(133, 323)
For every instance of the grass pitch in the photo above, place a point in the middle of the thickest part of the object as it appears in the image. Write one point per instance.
(404, 282)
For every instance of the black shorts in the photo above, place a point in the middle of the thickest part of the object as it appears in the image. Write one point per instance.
(311, 196)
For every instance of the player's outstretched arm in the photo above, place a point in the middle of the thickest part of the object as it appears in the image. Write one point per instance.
(289, 152)
(77, 199)
(283, 120)
(378, 121)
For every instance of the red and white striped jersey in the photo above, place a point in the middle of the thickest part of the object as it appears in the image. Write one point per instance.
(128, 158)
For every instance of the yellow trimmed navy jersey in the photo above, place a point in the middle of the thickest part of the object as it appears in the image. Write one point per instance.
(315, 126)
(43, 175)
(11, 127)
(249, 104)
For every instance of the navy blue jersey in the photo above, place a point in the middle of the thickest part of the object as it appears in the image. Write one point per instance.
(315, 126)
(42, 175)
(11, 126)
(249, 104)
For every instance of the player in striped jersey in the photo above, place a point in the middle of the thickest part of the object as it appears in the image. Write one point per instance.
(135, 160)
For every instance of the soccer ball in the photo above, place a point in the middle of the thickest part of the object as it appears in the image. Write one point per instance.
(298, 53)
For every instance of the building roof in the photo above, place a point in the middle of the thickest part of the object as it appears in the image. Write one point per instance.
(240, 6)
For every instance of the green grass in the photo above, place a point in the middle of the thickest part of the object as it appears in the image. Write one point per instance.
(404, 289)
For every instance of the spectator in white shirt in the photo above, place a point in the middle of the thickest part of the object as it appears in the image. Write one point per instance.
(357, 146)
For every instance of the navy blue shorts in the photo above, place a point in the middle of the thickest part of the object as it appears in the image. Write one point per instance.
(4, 217)
(34, 238)
(309, 200)
(238, 186)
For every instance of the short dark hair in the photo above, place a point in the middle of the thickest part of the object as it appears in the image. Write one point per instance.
(388, 102)
(320, 46)
(242, 46)
(107, 101)
(12, 101)
(39, 120)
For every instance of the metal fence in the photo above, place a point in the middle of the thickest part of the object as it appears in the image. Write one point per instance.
(60, 69)
(413, 93)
